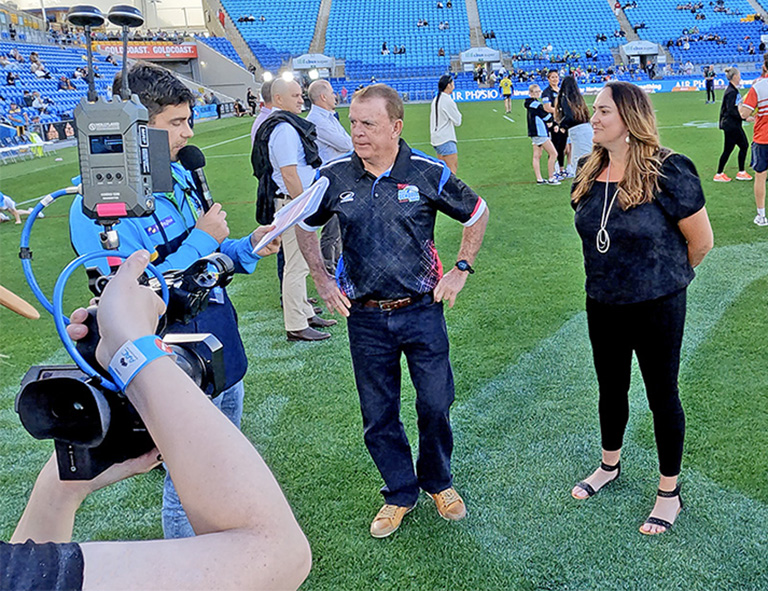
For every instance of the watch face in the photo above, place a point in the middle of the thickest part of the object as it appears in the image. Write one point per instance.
(462, 265)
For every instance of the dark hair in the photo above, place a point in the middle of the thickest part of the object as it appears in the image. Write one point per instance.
(156, 87)
(571, 95)
(444, 81)
(395, 109)
(442, 84)
(552, 71)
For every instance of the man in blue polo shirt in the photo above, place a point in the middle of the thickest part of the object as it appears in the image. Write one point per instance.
(176, 235)
(390, 284)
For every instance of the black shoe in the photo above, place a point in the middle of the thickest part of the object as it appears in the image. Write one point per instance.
(587, 488)
(667, 494)
(317, 322)
(308, 334)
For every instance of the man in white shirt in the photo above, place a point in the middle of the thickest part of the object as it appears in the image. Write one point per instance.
(292, 175)
(266, 109)
(332, 141)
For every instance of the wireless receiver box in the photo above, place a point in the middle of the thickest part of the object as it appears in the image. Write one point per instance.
(116, 149)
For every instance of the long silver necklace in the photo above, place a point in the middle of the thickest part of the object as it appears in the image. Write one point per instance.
(603, 239)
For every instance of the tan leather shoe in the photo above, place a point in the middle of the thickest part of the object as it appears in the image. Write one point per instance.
(449, 504)
(388, 519)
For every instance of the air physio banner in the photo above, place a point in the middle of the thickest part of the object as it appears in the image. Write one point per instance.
(520, 90)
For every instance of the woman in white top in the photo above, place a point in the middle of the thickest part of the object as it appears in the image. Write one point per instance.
(444, 117)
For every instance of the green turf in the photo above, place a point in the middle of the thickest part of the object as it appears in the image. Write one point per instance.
(525, 415)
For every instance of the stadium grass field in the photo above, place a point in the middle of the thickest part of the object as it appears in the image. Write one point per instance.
(525, 415)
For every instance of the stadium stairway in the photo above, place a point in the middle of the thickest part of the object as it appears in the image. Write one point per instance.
(625, 24)
(318, 39)
(231, 32)
(759, 9)
(476, 38)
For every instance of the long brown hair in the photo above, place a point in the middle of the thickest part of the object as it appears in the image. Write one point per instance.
(570, 94)
(645, 156)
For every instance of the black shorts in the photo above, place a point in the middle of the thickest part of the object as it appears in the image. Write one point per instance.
(759, 157)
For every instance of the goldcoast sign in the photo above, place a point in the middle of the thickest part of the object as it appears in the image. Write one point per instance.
(154, 50)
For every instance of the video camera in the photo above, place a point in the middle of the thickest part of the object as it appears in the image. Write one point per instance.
(94, 427)
(92, 424)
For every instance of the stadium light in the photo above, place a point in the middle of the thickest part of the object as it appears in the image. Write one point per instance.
(314, 74)
(267, 77)
(287, 76)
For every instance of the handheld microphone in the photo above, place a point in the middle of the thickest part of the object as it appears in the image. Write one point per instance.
(193, 159)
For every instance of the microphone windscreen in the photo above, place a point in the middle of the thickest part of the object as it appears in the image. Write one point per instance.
(191, 157)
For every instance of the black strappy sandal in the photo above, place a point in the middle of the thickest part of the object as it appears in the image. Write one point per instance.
(663, 522)
(587, 488)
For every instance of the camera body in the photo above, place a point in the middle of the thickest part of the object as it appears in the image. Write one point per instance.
(94, 427)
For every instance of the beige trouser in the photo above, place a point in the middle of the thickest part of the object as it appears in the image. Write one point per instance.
(296, 309)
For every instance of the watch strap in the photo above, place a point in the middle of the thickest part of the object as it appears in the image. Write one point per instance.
(133, 356)
(463, 265)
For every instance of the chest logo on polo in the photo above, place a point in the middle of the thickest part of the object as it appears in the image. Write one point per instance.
(346, 197)
(407, 193)
(154, 229)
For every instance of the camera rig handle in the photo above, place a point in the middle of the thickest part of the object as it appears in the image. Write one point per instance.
(58, 313)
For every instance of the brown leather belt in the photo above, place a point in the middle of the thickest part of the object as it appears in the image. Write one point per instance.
(389, 305)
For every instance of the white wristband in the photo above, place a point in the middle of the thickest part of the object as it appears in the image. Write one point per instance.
(133, 356)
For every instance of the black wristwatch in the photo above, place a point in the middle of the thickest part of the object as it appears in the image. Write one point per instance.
(463, 265)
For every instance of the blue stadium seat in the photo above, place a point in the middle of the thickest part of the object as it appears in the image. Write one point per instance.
(223, 46)
(664, 22)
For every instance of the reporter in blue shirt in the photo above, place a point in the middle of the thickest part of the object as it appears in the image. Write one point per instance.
(177, 234)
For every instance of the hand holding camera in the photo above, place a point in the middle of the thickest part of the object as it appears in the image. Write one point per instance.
(131, 310)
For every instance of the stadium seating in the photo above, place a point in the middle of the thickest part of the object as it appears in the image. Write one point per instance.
(287, 30)
(59, 61)
(664, 22)
(357, 29)
(223, 46)
(538, 24)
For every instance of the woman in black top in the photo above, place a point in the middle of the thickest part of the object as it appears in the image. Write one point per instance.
(641, 218)
(730, 123)
(572, 115)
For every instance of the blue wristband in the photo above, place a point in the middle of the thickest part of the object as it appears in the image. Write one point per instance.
(133, 356)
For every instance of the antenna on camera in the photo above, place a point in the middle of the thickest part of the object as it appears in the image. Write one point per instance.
(127, 17)
(87, 17)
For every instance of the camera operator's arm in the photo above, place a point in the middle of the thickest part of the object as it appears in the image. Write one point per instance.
(50, 511)
(247, 535)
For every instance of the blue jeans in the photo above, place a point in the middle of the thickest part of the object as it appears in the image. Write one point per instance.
(175, 522)
(376, 341)
(581, 144)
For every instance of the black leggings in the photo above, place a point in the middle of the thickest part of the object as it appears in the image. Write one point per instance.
(734, 138)
(654, 331)
(710, 85)
(560, 141)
